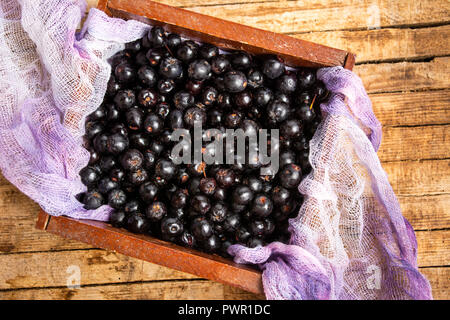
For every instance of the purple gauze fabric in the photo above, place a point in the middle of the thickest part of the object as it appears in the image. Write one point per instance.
(51, 78)
(349, 240)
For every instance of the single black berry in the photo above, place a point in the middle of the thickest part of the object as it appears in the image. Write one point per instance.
(147, 98)
(208, 51)
(118, 218)
(273, 68)
(235, 81)
(218, 212)
(124, 99)
(290, 176)
(156, 211)
(147, 76)
(153, 124)
(125, 73)
(106, 184)
(92, 200)
(220, 64)
(171, 68)
(137, 223)
(89, 176)
(208, 186)
(262, 205)
(199, 70)
(116, 143)
(200, 203)
(117, 198)
(201, 228)
(171, 226)
(148, 192)
(132, 160)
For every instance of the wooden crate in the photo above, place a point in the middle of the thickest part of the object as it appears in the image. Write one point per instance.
(223, 34)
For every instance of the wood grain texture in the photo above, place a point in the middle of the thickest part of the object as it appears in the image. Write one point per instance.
(412, 108)
(433, 248)
(374, 44)
(430, 142)
(427, 177)
(195, 3)
(405, 76)
(386, 44)
(426, 212)
(439, 281)
(17, 219)
(173, 290)
(18, 234)
(304, 16)
(50, 269)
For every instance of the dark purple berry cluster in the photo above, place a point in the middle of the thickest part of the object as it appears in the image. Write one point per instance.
(161, 83)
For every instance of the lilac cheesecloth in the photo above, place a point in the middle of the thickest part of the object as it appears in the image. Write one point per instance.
(349, 241)
(51, 78)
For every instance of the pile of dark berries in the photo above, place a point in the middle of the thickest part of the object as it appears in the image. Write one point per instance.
(162, 82)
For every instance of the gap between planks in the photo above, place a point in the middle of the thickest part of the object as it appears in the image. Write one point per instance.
(100, 284)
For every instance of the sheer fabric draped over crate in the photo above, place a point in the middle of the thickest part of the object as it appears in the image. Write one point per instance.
(51, 77)
(349, 240)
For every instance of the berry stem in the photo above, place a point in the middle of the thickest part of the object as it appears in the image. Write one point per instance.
(314, 99)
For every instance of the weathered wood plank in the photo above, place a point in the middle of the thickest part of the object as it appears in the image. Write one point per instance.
(50, 269)
(304, 16)
(91, 4)
(426, 212)
(386, 44)
(17, 218)
(405, 76)
(197, 289)
(233, 293)
(191, 3)
(412, 108)
(433, 248)
(429, 142)
(179, 290)
(428, 177)
(439, 281)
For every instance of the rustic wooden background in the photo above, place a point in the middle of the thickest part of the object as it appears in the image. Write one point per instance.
(403, 56)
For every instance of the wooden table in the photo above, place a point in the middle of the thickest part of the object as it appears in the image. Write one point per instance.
(404, 61)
